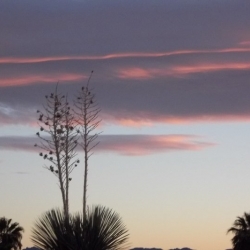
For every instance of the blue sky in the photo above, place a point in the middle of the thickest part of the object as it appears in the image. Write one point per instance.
(172, 81)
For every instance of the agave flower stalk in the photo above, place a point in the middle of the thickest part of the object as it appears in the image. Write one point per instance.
(58, 141)
(87, 112)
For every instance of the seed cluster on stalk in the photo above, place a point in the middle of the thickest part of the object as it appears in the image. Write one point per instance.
(58, 140)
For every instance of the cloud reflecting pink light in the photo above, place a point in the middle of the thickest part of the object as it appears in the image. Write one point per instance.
(177, 71)
(30, 79)
(244, 43)
(132, 145)
(148, 144)
(151, 119)
(6, 60)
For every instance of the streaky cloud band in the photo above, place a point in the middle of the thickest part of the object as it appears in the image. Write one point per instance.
(131, 145)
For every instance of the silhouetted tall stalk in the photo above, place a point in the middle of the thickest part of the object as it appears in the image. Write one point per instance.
(59, 142)
(87, 112)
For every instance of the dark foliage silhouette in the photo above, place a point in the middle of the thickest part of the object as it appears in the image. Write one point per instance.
(10, 235)
(101, 230)
(241, 231)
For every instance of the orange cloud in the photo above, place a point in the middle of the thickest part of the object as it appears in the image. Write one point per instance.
(29, 79)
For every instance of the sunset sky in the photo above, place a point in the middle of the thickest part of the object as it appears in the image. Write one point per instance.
(172, 79)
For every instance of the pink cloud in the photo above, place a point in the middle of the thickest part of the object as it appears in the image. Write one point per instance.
(29, 79)
(122, 55)
(209, 67)
(149, 144)
(244, 43)
(150, 119)
(132, 145)
(178, 71)
(135, 73)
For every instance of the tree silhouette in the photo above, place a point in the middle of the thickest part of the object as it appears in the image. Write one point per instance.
(87, 112)
(102, 229)
(10, 235)
(58, 140)
(98, 228)
(241, 231)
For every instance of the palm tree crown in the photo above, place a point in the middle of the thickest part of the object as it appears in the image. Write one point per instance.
(102, 229)
(241, 231)
(10, 235)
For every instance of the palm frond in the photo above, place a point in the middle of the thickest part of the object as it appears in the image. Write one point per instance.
(241, 231)
(102, 229)
(105, 229)
(51, 231)
(10, 234)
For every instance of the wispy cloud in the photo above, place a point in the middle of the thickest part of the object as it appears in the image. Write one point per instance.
(178, 71)
(122, 144)
(151, 119)
(147, 74)
(150, 144)
(245, 43)
(31, 79)
(20, 172)
(16, 60)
